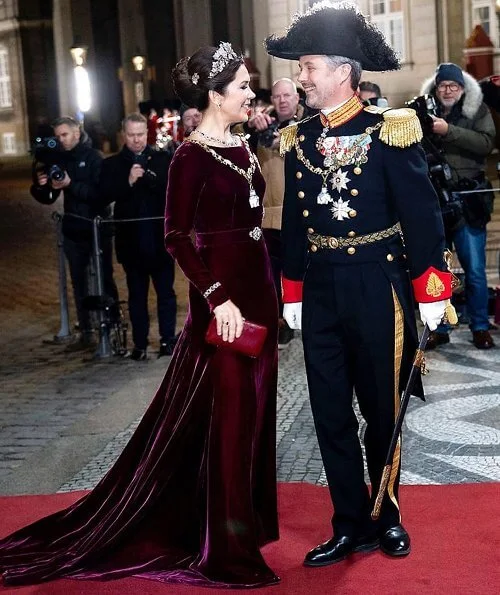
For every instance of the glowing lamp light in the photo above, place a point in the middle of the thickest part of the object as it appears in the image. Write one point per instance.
(79, 54)
(139, 63)
(83, 95)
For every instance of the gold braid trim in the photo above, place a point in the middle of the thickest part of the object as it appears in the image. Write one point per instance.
(401, 128)
(289, 134)
(398, 356)
(287, 138)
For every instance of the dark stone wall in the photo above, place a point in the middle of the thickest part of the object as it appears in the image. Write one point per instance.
(37, 47)
(161, 51)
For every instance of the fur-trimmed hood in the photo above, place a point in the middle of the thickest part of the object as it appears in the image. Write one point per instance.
(473, 96)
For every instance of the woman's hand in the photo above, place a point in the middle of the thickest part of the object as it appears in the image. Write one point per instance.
(229, 321)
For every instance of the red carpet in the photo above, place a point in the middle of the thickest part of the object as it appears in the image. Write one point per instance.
(454, 530)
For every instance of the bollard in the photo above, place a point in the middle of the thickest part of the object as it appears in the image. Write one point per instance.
(104, 346)
(64, 332)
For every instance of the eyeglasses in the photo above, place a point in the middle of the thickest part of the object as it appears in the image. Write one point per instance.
(450, 86)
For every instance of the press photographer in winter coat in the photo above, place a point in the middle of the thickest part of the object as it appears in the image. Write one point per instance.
(465, 132)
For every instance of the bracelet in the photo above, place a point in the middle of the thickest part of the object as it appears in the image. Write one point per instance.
(211, 289)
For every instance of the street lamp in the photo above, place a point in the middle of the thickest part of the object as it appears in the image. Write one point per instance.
(139, 64)
(82, 81)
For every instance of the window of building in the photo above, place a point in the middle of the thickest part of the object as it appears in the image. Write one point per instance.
(9, 143)
(5, 83)
(481, 14)
(485, 13)
(387, 15)
(8, 9)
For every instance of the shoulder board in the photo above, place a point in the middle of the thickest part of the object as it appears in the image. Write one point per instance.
(289, 134)
(373, 109)
(401, 127)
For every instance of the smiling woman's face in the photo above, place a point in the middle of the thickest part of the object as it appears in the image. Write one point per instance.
(235, 104)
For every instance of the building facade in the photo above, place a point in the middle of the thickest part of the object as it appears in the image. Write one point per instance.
(423, 32)
(37, 73)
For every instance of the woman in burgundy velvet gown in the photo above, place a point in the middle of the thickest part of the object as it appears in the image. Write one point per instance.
(192, 497)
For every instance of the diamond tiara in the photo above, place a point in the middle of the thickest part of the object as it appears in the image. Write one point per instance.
(221, 58)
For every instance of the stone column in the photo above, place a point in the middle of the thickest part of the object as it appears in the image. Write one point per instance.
(63, 40)
(132, 40)
(274, 16)
(192, 25)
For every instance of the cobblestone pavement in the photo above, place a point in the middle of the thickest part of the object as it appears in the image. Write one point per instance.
(65, 417)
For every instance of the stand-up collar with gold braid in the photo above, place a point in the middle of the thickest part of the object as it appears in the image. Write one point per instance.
(343, 114)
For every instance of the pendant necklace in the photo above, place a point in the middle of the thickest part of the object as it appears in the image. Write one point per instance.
(253, 197)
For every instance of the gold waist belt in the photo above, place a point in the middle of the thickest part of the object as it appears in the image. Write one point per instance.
(331, 243)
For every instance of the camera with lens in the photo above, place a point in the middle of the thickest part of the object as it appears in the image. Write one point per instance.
(425, 107)
(149, 174)
(268, 136)
(439, 170)
(48, 158)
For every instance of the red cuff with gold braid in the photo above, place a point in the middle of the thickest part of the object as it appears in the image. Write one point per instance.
(291, 290)
(432, 286)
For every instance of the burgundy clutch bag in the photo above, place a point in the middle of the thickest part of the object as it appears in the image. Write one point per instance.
(249, 343)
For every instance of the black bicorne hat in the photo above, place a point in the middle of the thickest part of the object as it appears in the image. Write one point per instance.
(334, 31)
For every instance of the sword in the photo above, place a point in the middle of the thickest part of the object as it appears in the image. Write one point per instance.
(417, 368)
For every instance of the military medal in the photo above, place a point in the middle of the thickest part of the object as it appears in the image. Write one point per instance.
(324, 196)
(339, 180)
(340, 209)
(253, 198)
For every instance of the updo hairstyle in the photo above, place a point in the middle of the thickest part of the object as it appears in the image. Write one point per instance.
(201, 63)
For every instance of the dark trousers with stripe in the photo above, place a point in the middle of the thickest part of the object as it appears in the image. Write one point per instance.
(354, 332)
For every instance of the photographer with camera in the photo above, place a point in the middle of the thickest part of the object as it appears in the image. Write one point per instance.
(265, 126)
(370, 94)
(463, 130)
(136, 180)
(67, 163)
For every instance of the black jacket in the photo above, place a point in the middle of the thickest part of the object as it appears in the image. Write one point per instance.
(83, 164)
(137, 242)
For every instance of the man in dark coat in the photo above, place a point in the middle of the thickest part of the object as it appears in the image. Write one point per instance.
(464, 131)
(359, 214)
(81, 165)
(135, 180)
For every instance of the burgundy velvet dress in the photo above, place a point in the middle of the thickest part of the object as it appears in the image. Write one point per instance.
(192, 497)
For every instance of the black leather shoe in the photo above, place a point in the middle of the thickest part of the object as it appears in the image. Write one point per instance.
(436, 339)
(366, 543)
(334, 550)
(395, 541)
(138, 355)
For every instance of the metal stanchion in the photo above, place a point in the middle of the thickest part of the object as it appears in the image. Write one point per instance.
(104, 346)
(64, 333)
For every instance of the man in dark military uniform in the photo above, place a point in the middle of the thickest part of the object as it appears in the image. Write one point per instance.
(361, 226)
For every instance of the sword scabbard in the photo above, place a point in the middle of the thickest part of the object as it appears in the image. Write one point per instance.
(381, 491)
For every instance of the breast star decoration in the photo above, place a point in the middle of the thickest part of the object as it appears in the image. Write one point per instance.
(340, 180)
(340, 209)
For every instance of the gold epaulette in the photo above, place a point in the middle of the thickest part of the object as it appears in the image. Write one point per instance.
(287, 138)
(289, 134)
(401, 127)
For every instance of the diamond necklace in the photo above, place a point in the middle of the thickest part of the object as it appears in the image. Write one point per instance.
(253, 197)
(234, 142)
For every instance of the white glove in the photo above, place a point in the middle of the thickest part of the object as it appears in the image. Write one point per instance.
(292, 313)
(432, 313)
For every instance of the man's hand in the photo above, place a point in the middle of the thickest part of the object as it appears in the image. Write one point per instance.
(64, 183)
(41, 178)
(136, 172)
(432, 313)
(292, 313)
(439, 126)
(260, 121)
